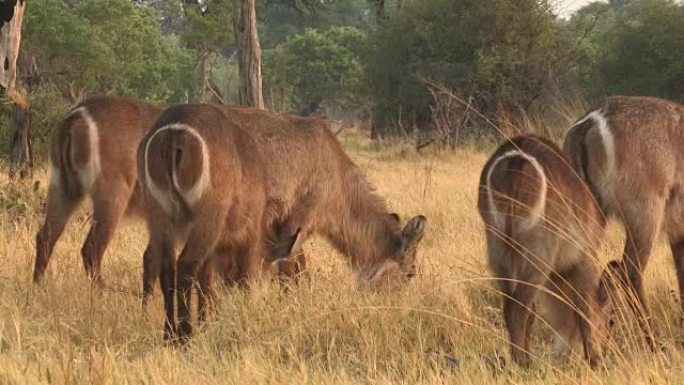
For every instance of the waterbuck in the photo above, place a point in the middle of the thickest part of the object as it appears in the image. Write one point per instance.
(542, 228)
(629, 151)
(92, 154)
(221, 178)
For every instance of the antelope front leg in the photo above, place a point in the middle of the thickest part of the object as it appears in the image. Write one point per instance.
(151, 271)
(592, 351)
(589, 321)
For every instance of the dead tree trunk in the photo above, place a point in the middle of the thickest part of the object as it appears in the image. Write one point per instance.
(11, 17)
(248, 54)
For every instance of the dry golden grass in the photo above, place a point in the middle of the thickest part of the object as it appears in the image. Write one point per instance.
(444, 327)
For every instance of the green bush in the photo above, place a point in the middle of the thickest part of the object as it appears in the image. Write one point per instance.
(316, 67)
(504, 52)
(91, 47)
(638, 49)
(105, 46)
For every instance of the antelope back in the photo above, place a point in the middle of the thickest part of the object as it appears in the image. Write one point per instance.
(94, 145)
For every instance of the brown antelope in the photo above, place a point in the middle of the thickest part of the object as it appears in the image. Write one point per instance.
(542, 229)
(92, 154)
(222, 178)
(629, 150)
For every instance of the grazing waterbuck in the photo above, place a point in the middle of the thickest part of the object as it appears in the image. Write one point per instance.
(542, 228)
(223, 178)
(313, 187)
(630, 151)
(93, 154)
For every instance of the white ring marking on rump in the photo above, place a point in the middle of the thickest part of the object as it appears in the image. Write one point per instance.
(192, 195)
(537, 211)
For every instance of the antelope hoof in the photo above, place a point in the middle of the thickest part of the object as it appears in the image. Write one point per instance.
(595, 362)
(98, 282)
(522, 359)
(184, 332)
(170, 333)
(655, 345)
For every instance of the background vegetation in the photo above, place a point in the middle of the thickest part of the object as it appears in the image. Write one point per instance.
(365, 60)
(397, 67)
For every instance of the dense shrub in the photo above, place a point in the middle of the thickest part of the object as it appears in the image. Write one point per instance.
(504, 52)
(316, 67)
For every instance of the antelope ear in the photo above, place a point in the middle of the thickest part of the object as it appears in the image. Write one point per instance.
(613, 267)
(605, 283)
(295, 242)
(413, 232)
(286, 245)
(615, 274)
(603, 291)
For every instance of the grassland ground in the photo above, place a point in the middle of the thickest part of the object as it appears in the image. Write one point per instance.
(443, 327)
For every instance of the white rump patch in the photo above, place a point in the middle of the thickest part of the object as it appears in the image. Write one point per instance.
(88, 175)
(539, 207)
(192, 195)
(601, 124)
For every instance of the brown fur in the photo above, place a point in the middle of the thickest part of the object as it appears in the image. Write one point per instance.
(542, 232)
(121, 123)
(270, 174)
(646, 187)
(314, 187)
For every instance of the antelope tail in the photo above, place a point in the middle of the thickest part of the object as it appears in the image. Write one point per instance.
(577, 149)
(75, 154)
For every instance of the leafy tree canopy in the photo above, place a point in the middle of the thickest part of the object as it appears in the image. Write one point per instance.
(320, 66)
(104, 46)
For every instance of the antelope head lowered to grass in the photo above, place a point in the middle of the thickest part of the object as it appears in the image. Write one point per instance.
(312, 185)
(542, 229)
(222, 178)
